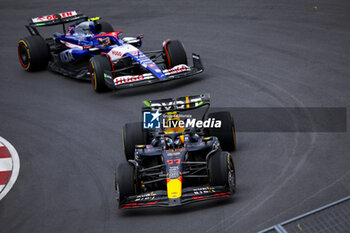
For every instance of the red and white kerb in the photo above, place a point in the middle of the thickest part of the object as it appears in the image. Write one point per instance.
(6, 166)
(9, 167)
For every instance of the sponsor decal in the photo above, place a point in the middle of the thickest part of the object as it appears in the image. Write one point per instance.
(116, 53)
(66, 56)
(173, 172)
(172, 153)
(177, 69)
(199, 191)
(145, 197)
(54, 16)
(180, 104)
(132, 78)
(68, 14)
(44, 18)
(128, 79)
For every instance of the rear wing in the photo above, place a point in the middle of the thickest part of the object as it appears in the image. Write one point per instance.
(181, 103)
(54, 19)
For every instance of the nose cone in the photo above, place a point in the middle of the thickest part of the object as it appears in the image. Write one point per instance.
(175, 201)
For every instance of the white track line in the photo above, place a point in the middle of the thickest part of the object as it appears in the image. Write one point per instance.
(15, 170)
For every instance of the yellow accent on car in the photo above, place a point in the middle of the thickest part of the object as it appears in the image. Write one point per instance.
(228, 161)
(174, 187)
(169, 131)
(94, 73)
(187, 101)
(182, 138)
(233, 131)
(94, 19)
(171, 113)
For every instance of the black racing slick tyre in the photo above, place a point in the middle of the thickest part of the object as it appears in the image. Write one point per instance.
(133, 134)
(33, 53)
(226, 133)
(106, 27)
(174, 53)
(97, 65)
(221, 170)
(125, 181)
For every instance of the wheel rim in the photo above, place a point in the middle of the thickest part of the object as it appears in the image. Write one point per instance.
(23, 55)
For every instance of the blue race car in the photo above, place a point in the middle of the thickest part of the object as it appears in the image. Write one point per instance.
(91, 49)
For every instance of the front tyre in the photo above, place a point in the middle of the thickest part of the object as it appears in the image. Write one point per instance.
(125, 181)
(174, 53)
(221, 170)
(97, 67)
(33, 53)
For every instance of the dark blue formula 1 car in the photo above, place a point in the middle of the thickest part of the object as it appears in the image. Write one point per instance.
(178, 162)
(91, 49)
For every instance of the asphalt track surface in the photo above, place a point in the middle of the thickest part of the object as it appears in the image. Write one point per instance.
(274, 53)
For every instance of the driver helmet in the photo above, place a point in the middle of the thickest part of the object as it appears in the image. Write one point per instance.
(169, 142)
(179, 141)
(105, 41)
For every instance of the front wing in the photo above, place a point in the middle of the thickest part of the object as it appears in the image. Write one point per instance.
(177, 72)
(189, 195)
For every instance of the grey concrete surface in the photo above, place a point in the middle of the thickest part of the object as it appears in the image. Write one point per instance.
(256, 54)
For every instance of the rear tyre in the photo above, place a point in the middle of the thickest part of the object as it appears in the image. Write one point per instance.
(97, 66)
(226, 134)
(125, 181)
(221, 170)
(33, 53)
(174, 53)
(106, 27)
(133, 134)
